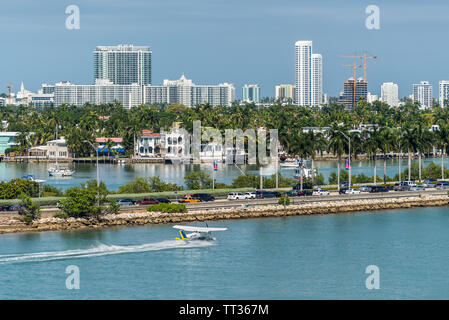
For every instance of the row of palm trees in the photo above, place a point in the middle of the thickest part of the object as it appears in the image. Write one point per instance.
(380, 140)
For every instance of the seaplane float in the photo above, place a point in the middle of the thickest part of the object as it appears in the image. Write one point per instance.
(197, 233)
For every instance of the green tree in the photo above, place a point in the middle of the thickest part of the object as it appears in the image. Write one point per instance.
(198, 179)
(80, 203)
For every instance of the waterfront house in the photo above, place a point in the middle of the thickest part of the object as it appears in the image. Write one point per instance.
(176, 145)
(7, 140)
(149, 145)
(117, 148)
(52, 150)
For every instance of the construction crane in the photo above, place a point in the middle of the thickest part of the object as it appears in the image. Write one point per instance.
(364, 57)
(354, 66)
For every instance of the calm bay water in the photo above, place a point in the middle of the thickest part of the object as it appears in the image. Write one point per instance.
(115, 175)
(311, 257)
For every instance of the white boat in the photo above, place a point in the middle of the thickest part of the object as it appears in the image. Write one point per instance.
(30, 177)
(307, 173)
(60, 172)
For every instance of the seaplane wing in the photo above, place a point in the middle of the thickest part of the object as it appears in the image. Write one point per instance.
(198, 229)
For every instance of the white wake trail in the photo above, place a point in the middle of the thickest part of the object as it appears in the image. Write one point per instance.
(100, 250)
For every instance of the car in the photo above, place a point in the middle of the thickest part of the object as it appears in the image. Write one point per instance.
(343, 190)
(344, 184)
(147, 201)
(397, 186)
(389, 187)
(203, 197)
(125, 202)
(265, 194)
(442, 185)
(236, 196)
(429, 183)
(352, 191)
(162, 200)
(417, 188)
(188, 199)
(375, 189)
(320, 192)
(250, 195)
(304, 186)
(365, 188)
(305, 193)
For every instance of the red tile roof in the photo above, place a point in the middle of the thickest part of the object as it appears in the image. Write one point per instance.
(116, 140)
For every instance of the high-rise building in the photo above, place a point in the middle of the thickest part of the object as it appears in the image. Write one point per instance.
(303, 73)
(422, 93)
(123, 64)
(444, 93)
(389, 94)
(308, 75)
(285, 92)
(103, 91)
(361, 92)
(251, 93)
(185, 92)
(317, 80)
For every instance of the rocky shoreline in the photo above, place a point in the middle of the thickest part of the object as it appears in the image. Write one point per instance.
(13, 224)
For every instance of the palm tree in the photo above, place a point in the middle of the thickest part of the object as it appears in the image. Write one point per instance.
(317, 143)
(410, 142)
(337, 144)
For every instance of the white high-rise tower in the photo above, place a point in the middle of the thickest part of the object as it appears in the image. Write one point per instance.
(303, 73)
(444, 93)
(389, 94)
(317, 79)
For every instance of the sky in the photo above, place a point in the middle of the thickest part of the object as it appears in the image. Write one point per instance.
(235, 41)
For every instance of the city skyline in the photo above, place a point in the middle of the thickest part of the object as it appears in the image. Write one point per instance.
(68, 56)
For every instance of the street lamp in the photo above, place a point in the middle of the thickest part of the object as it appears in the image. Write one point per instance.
(98, 173)
(349, 139)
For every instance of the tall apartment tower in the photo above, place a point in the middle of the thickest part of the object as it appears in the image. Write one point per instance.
(444, 93)
(251, 93)
(308, 75)
(123, 64)
(285, 92)
(389, 94)
(422, 93)
(317, 79)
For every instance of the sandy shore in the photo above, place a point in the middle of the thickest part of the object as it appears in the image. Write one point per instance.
(12, 224)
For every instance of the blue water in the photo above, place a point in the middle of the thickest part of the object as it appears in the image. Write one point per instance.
(321, 257)
(116, 175)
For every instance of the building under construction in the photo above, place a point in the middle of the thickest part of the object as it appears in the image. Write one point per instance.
(351, 95)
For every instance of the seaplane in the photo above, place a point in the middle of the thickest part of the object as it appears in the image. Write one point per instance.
(198, 233)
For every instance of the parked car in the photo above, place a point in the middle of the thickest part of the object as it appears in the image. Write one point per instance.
(417, 187)
(304, 186)
(375, 189)
(147, 201)
(352, 191)
(236, 196)
(320, 192)
(365, 188)
(343, 190)
(203, 196)
(188, 199)
(250, 195)
(397, 186)
(267, 194)
(162, 200)
(126, 202)
(429, 183)
(442, 185)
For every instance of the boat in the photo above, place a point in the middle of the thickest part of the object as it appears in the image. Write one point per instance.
(30, 177)
(307, 173)
(60, 172)
(289, 163)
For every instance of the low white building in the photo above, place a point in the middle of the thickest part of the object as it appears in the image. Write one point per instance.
(149, 145)
(54, 149)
